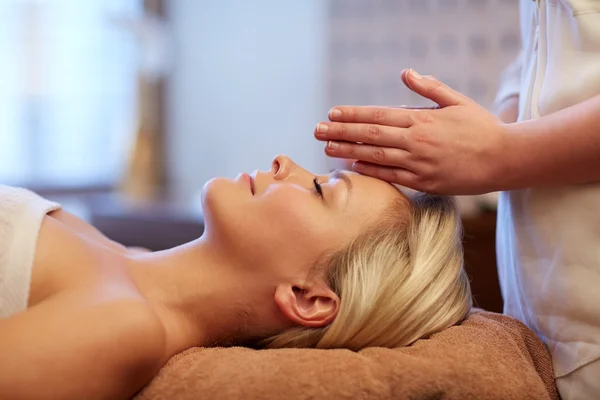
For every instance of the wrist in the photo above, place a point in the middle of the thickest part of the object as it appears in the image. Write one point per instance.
(507, 169)
(508, 110)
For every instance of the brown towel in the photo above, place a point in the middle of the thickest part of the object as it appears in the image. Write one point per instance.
(488, 356)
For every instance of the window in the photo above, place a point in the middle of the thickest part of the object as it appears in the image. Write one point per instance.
(68, 82)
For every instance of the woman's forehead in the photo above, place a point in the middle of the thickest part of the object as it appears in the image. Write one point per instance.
(372, 193)
(368, 182)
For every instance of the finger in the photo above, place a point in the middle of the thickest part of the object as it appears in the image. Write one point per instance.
(416, 107)
(432, 89)
(372, 115)
(379, 135)
(405, 107)
(399, 176)
(389, 156)
(404, 77)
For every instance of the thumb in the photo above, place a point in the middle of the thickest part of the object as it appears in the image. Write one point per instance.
(432, 89)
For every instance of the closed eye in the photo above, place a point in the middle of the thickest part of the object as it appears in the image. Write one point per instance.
(318, 188)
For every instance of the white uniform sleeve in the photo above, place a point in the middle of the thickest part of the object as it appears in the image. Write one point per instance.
(510, 81)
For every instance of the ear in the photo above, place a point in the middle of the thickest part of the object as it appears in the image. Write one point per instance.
(312, 305)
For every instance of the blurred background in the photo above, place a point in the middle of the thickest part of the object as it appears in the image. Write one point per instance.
(123, 109)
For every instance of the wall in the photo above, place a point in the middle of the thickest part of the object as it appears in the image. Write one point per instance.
(465, 43)
(252, 78)
(247, 84)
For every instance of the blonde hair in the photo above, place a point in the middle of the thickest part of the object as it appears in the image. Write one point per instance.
(399, 282)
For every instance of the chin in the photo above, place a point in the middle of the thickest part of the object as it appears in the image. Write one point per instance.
(221, 199)
(212, 191)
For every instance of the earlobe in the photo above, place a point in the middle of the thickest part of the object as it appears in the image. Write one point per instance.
(311, 306)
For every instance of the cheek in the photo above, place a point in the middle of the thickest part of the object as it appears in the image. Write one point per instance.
(282, 224)
(299, 230)
(280, 228)
(287, 216)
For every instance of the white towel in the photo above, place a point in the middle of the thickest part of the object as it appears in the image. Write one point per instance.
(21, 215)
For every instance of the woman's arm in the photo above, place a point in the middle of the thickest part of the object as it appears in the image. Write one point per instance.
(462, 148)
(66, 349)
(508, 111)
(562, 148)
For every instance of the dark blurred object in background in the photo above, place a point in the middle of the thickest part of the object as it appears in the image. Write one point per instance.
(157, 226)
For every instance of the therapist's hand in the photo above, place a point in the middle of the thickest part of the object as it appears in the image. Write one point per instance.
(455, 149)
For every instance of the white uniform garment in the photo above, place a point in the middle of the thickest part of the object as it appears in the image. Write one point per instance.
(21, 215)
(548, 240)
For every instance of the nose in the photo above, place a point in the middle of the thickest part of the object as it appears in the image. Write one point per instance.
(283, 168)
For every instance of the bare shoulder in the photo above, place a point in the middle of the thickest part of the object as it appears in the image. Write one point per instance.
(129, 336)
(133, 327)
(143, 338)
(75, 346)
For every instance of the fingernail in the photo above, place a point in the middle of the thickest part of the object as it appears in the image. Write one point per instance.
(332, 145)
(357, 166)
(322, 128)
(335, 113)
(415, 74)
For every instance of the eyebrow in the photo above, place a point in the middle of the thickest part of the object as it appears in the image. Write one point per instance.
(339, 174)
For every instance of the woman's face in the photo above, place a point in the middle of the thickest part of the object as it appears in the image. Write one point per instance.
(283, 220)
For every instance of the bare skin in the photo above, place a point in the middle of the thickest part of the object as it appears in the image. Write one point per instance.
(121, 314)
(85, 298)
(102, 319)
(461, 148)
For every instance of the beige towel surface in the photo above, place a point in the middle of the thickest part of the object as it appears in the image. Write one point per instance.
(489, 356)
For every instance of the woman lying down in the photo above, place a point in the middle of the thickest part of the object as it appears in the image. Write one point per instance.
(287, 259)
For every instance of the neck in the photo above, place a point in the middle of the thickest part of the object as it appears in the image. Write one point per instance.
(200, 295)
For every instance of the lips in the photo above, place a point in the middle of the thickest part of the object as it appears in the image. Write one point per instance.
(251, 179)
(248, 180)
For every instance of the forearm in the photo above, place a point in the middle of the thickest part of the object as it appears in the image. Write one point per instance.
(508, 110)
(562, 148)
